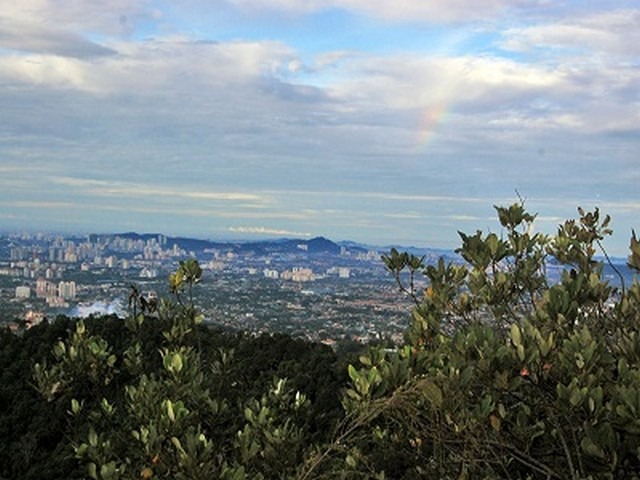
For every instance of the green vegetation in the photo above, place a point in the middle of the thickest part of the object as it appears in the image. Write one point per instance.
(159, 396)
(503, 374)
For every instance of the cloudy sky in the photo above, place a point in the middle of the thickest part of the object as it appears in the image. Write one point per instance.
(376, 121)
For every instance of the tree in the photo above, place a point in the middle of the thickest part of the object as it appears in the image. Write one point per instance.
(504, 374)
(129, 419)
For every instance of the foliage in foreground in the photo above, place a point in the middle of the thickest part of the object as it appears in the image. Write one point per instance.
(41, 435)
(503, 375)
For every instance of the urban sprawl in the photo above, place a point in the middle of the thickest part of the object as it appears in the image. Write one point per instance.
(314, 289)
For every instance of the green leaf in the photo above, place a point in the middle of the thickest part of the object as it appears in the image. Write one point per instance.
(176, 362)
(353, 373)
(516, 336)
(576, 397)
(170, 413)
(590, 448)
(91, 470)
(108, 470)
(353, 394)
(176, 443)
(81, 450)
(431, 392)
(365, 360)
(75, 406)
(93, 438)
(495, 422)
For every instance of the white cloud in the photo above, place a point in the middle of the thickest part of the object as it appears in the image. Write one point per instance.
(380, 196)
(48, 71)
(468, 218)
(491, 91)
(170, 65)
(115, 17)
(589, 35)
(249, 79)
(393, 90)
(10, 216)
(43, 40)
(161, 211)
(268, 231)
(46, 205)
(132, 190)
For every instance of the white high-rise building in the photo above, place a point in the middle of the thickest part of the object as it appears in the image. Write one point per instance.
(45, 289)
(67, 290)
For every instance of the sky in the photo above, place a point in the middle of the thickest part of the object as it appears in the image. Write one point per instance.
(382, 122)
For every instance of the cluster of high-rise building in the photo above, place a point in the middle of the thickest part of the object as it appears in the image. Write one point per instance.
(49, 257)
(46, 289)
(310, 288)
(304, 274)
(56, 295)
(92, 249)
(295, 274)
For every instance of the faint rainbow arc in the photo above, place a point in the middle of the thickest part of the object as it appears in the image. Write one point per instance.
(429, 120)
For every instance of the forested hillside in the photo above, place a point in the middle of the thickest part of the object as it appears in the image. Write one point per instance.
(38, 434)
(503, 374)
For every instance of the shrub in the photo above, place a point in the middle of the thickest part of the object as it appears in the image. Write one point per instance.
(504, 373)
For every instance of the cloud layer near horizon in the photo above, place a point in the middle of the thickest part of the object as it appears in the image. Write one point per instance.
(344, 118)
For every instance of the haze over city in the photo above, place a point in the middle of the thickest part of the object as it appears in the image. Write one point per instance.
(379, 122)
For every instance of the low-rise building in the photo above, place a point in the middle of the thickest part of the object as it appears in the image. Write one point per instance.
(23, 291)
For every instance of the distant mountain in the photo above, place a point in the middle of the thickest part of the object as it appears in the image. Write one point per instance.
(133, 235)
(322, 245)
(358, 247)
(317, 245)
(190, 244)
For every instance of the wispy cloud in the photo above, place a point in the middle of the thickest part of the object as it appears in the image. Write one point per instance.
(116, 17)
(45, 205)
(581, 35)
(11, 216)
(43, 40)
(468, 218)
(160, 210)
(391, 197)
(122, 189)
(268, 231)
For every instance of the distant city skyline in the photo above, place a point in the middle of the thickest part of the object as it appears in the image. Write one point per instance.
(375, 122)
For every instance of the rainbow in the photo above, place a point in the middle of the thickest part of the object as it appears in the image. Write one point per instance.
(428, 123)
